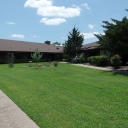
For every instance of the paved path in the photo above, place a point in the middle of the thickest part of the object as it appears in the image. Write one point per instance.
(122, 69)
(11, 116)
(89, 66)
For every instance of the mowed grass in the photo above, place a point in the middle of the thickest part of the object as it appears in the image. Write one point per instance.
(68, 96)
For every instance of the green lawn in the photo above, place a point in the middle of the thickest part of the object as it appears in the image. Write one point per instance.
(68, 96)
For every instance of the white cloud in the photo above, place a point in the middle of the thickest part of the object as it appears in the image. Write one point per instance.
(11, 23)
(86, 5)
(18, 36)
(54, 11)
(90, 26)
(38, 3)
(35, 36)
(89, 35)
(53, 21)
(45, 8)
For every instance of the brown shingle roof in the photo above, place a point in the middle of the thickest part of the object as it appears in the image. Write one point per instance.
(23, 46)
(93, 45)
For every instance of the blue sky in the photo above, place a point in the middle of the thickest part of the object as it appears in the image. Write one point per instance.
(41, 20)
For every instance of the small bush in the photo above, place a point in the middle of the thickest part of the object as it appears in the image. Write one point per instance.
(64, 60)
(76, 60)
(79, 59)
(55, 63)
(11, 65)
(101, 60)
(98, 60)
(47, 64)
(115, 61)
(91, 60)
(11, 58)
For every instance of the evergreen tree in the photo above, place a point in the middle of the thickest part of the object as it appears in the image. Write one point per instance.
(115, 38)
(73, 44)
(36, 56)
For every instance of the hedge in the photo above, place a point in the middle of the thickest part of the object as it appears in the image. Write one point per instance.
(98, 60)
(115, 61)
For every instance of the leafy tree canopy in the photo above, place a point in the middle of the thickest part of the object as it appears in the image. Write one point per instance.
(57, 43)
(115, 38)
(74, 42)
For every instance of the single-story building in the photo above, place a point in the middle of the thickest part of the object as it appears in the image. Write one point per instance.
(22, 50)
(92, 49)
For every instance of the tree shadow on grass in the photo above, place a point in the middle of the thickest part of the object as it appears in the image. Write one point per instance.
(118, 72)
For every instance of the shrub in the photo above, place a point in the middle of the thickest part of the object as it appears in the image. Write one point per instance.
(55, 63)
(10, 65)
(47, 64)
(91, 60)
(115, 61)
(11, 58)
(76, 60)
(101, 60)
(64, 60)
(79, 59)
(98, 60)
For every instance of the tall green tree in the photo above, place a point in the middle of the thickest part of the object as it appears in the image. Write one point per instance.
(115, 38)
(74, 42)
(36, 56)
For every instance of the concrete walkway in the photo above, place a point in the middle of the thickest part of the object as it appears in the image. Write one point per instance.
(121, 70)
(11, 116)
(90, 66)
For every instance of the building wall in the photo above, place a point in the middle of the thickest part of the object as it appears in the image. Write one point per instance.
(105, 52)
(24, 57)
(92, 52)
(3, 58)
